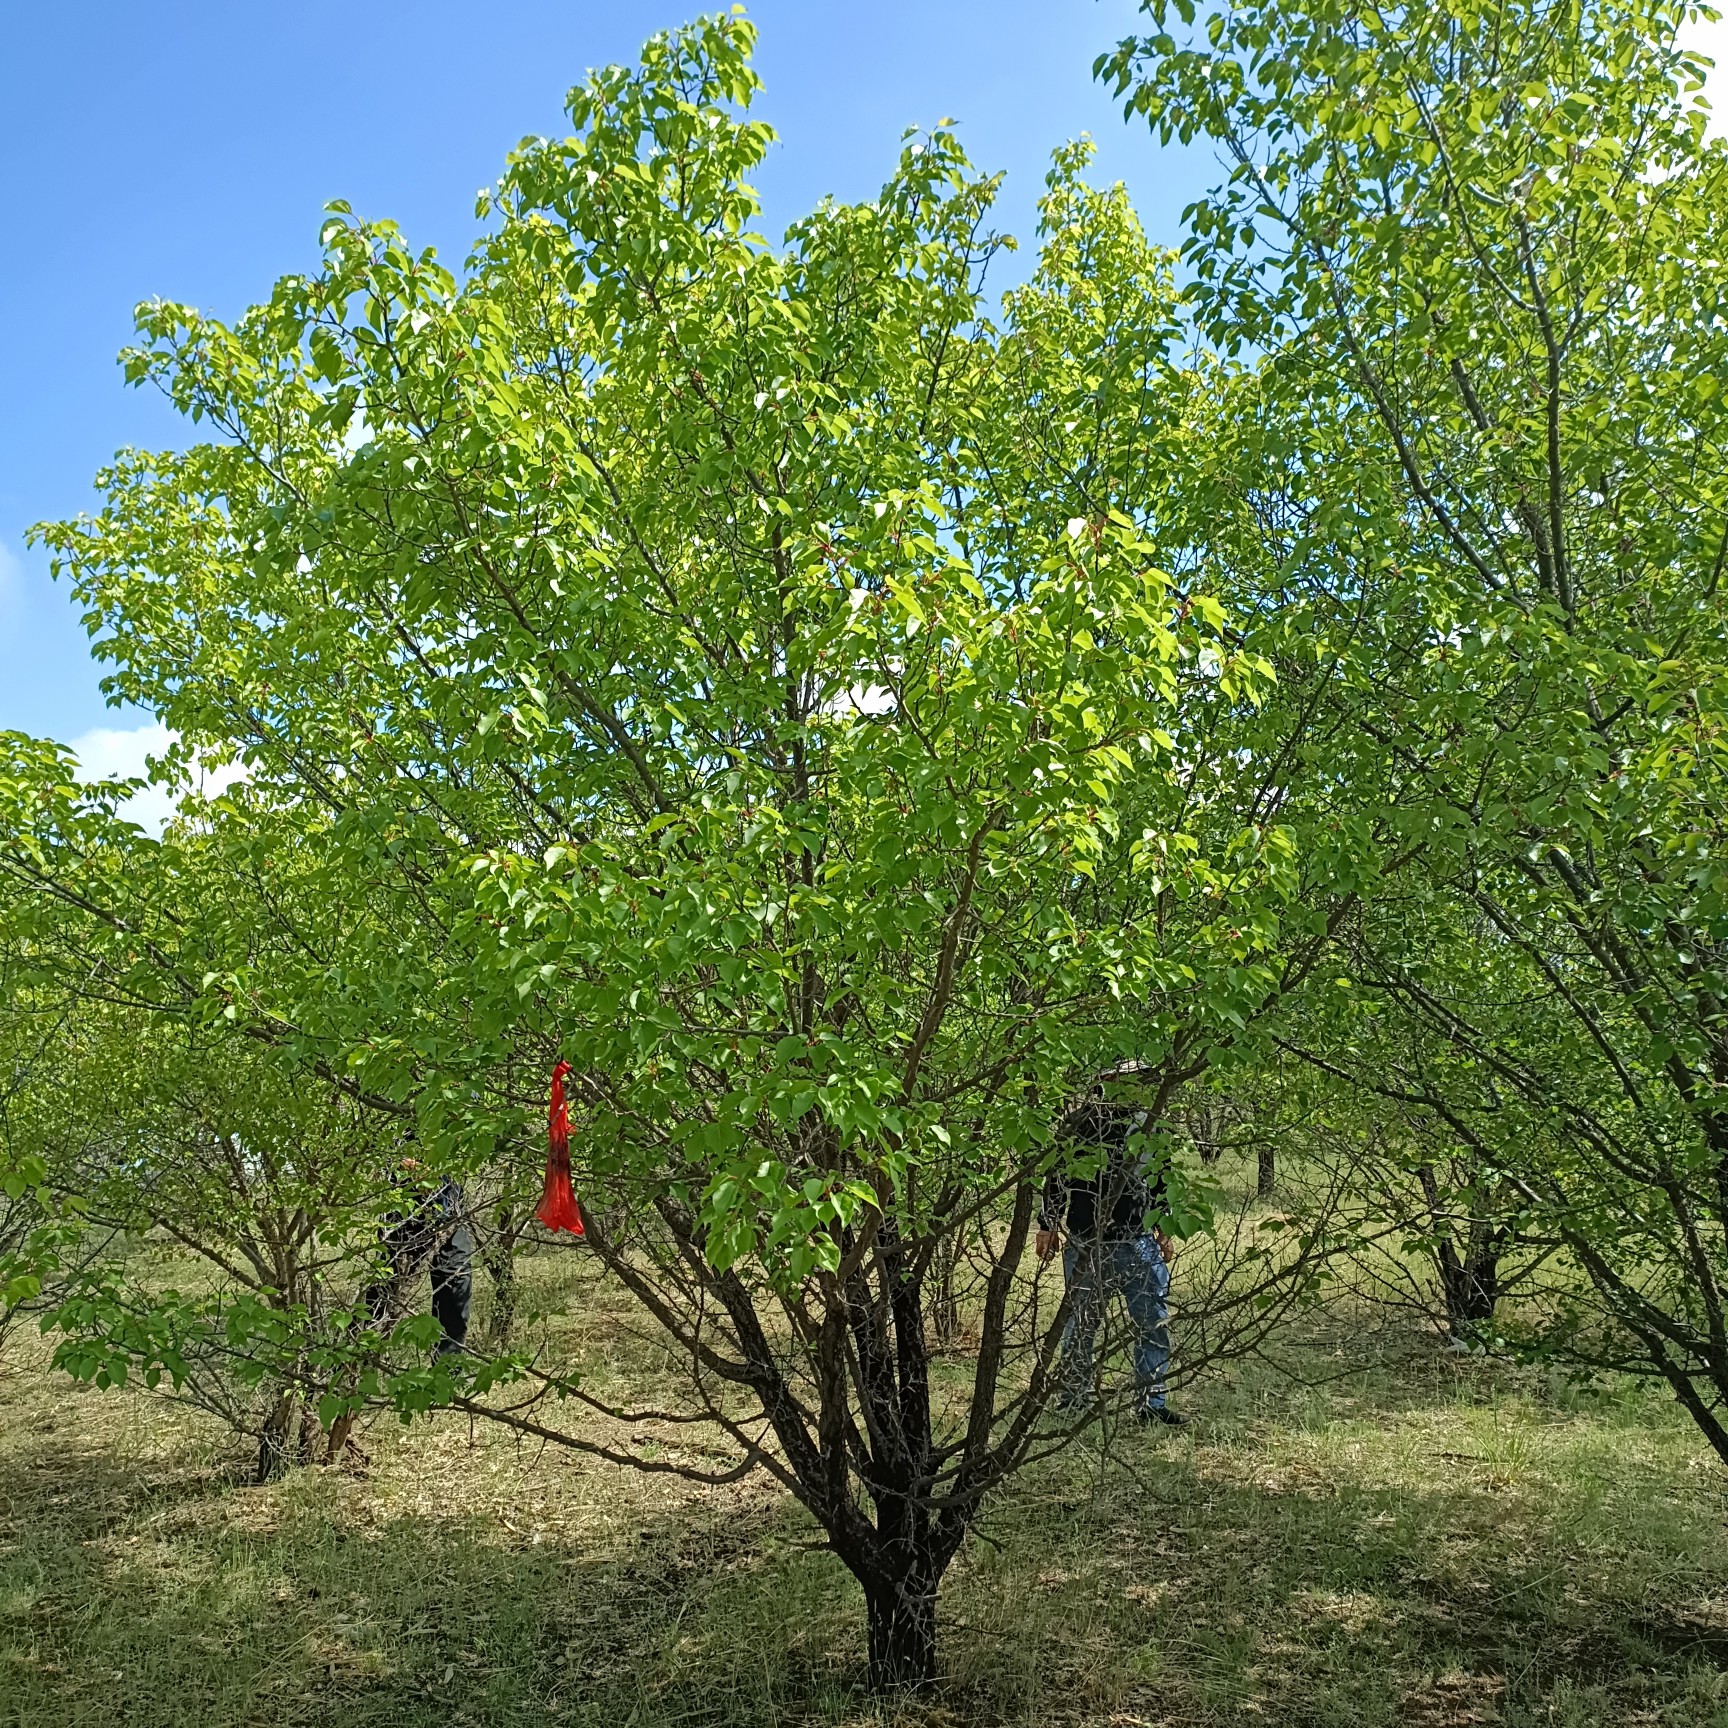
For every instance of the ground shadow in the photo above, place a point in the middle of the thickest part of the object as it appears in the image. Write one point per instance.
(1194, 1580)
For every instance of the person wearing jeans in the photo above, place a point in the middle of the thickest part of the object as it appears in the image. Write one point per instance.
(1110, 1249)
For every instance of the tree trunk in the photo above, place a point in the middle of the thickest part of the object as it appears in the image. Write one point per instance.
(308, 1432)
(902, 1636)
(1267, 1171)
(1470, 1283)
(944, 1304)
(499, 1259)
(1207, 1123)
(282, 1439)
(340, 1429)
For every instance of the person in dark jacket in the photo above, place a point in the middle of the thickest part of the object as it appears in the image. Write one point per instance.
(430, 1229)
(1111, 1247)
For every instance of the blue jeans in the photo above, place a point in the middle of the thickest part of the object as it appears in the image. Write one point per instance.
(1091, 1270)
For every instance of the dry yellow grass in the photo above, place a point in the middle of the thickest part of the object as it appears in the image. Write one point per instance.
(1441, 1543)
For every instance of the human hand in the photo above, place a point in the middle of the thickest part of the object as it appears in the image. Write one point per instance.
(1165, 1247)
(1047, 1243)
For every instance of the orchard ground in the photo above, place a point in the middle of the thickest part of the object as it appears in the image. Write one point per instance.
(1423, 1540)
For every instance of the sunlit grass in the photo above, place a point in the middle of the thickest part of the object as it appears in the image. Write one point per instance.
(1431, 1541)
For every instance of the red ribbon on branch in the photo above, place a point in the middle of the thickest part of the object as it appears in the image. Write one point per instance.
(557, 1209)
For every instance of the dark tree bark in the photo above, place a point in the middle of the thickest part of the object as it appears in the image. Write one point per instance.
(1266, 1170)
(1467, 1255)
(1209, 1122)
(499, 1258)
(902, 1636)
(944, 1300)
(857, 1444)
(1470, 1282)
(824, 1381)
(285, 1439)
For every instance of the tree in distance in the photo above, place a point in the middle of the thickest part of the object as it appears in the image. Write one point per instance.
(1476, 253)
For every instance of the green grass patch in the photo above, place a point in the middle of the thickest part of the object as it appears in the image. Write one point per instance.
(1432, 1542)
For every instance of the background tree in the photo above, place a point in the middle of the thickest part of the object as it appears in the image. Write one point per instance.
(1476, 251)
(188, 1196)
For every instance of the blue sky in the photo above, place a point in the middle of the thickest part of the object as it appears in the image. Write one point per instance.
(185, 149)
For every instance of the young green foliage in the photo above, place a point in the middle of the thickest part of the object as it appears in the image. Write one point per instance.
(753, 676)
(1476, 253)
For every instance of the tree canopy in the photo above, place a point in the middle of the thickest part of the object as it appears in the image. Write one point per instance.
(841, 712)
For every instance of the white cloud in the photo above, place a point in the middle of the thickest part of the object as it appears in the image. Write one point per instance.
(872, 699)
(108, 752)
(105, 752)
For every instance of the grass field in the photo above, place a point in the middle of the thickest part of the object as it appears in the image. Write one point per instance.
(1426, 1541)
